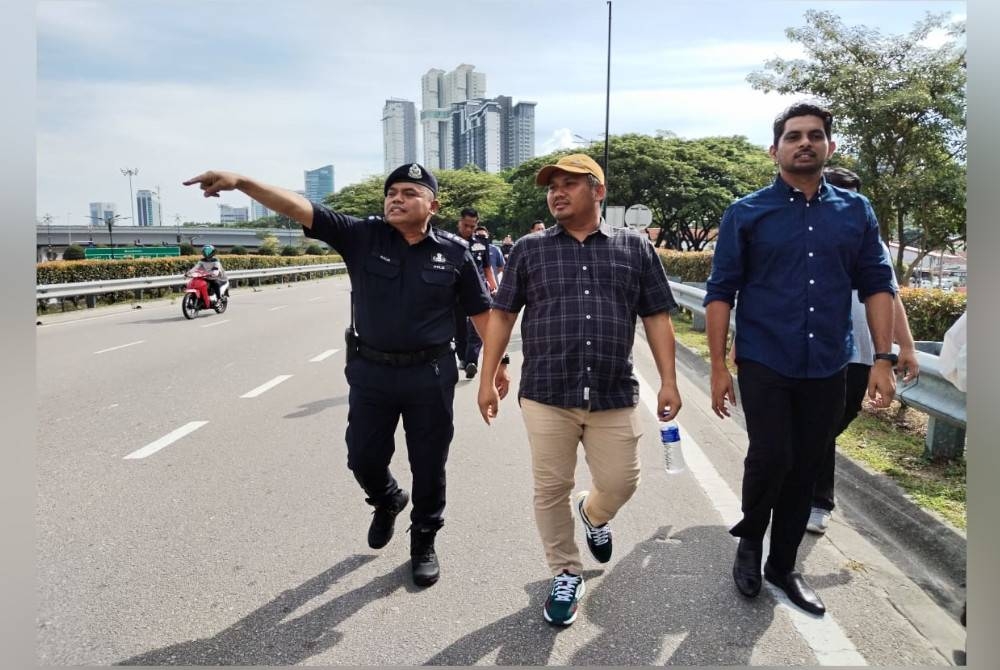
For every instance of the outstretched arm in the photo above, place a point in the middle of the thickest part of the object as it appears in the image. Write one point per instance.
(277, 199)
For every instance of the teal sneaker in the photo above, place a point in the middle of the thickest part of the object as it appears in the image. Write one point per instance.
(561, 607)
(598, 537)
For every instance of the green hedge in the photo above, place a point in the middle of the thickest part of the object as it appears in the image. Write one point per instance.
(931, 312)
(691, 266)
(66, 272)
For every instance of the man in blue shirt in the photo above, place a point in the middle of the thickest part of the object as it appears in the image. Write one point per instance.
(793, 251)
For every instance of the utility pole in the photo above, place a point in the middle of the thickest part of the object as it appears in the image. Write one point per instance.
(47, 219)
(159, 207)
(177, 223)
(129, 172)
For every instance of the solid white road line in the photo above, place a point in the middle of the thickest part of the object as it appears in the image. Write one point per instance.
(216, 323)
(167, 439)
(323, 356)
(120, 346)
(823, 635)
(273, 309)
(265, 387)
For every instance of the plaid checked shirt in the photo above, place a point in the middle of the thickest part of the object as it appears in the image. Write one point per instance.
(581, 301)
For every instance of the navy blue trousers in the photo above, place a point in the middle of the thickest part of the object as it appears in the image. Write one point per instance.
(423, 396)
(789, 423)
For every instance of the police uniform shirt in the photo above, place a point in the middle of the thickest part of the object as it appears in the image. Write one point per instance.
(404, 295)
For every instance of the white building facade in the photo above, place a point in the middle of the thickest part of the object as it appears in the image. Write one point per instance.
(147, 208)
(399, 133)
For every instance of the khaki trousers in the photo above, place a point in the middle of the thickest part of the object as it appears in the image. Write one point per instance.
(610, 441)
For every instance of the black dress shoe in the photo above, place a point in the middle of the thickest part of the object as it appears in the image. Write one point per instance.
(384, 520)
(746, 568)
(795, 587)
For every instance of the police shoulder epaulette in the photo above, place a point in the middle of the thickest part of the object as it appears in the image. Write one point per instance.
(452, 237)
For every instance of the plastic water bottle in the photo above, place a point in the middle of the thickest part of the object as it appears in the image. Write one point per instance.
(670, 437)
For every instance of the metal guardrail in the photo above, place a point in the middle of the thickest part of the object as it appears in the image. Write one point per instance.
(930, 393)
(77, 289)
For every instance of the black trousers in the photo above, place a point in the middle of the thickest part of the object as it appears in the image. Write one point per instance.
(423, 396)
(789, 423)
(856, 386)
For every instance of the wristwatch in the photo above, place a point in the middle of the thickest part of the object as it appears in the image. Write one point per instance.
(892, 358)
(505, 360)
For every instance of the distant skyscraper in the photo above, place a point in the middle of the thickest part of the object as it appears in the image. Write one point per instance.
(492, 134)
(101, 212)
(230, 214)
(399, 133)
(319, 183)
(258, 211)
(147, 208)
(439, 91)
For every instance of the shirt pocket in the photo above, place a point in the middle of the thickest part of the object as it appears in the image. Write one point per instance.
(382, 278)
(438, 284)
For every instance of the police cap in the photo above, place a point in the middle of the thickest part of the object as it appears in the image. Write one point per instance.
(413, 173)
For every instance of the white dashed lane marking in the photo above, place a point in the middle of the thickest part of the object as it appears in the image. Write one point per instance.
(266, 387)
(166, 440)
(323, 356)
(120, 346)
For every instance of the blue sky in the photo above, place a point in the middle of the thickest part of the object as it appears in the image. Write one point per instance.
(270, 89)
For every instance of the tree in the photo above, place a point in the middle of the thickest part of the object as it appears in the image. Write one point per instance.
(687, 184)
(899, 110)
(468, 187)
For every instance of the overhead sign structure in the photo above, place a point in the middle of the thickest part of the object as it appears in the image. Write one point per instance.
(638, 216)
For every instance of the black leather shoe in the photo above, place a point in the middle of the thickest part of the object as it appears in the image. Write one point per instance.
(746, 568)
(423, 559)
(384, 520)
(795, 587)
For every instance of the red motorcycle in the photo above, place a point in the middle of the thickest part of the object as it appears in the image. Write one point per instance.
(197, 295)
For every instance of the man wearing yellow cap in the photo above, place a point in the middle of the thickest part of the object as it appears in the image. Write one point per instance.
(581, 283)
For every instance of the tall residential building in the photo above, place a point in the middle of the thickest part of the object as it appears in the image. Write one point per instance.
(492, 134)
(258, 211)
(439, 91)
(230, 214)
(100, 212)
(147, 208)
(399, 133)
(319, 183)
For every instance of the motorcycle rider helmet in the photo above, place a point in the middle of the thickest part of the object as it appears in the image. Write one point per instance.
(208, 251)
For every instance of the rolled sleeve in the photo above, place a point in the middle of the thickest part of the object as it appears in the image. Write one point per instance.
(874, 269)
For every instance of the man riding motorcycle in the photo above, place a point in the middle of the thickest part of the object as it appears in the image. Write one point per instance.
(210, 263)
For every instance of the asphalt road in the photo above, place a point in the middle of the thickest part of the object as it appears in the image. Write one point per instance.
(194, 507)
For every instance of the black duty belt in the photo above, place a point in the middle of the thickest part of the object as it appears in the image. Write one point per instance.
(403, 358)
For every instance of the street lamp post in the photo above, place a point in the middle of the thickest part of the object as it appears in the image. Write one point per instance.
(129, 172)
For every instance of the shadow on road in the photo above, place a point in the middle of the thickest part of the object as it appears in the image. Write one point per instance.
(264, 637)
(664, 588)
(522, 638)
(317, 406)
(674, 586)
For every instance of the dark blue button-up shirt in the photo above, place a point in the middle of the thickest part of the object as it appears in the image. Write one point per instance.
(793, 263)
(580, 304)
(404, 294)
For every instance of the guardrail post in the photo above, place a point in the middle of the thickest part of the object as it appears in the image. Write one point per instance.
(945, 441)
(91, 301)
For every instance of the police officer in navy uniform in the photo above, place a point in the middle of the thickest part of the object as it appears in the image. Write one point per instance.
(467, 341)
(407, 278)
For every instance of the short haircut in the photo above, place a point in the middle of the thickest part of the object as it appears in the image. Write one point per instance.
(470, 212)
(842, 177)
(482, 227)
(803, 109)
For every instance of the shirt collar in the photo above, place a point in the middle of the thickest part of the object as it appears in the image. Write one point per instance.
(603, 227)
(784, 188)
